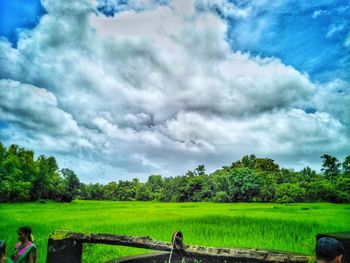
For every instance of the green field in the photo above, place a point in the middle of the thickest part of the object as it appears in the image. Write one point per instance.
(290, 227)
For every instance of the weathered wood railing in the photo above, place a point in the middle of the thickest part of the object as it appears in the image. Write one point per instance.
(67, 247)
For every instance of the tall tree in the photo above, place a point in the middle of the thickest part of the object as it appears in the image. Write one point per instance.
(249, 161)
(45, 183)
(111, 191)
(200, 170)
(266, 164)
(71, 184)
(330, 167)
(242, 185)
(346, 165)
(155, 183)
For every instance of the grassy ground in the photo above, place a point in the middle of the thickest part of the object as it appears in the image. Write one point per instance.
(290, 227)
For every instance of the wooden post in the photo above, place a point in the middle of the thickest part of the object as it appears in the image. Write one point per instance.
(64, 249)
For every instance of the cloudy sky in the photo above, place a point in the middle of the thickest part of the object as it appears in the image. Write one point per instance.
(117, 89)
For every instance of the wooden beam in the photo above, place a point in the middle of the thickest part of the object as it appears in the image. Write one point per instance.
(222, 254)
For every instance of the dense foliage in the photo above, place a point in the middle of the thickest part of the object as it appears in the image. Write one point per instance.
(250, 179)
(24, 178)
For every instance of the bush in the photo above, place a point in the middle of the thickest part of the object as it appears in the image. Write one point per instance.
(325, 190)
(221, 197)
(289, 193)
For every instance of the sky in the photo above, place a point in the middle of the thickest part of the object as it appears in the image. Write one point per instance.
(117, 89)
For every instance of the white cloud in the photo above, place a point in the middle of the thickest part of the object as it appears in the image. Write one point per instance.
(318, 13)
(225, 8)
(111, 7)
(335, 29)
(334, 98)
(35, 108)
(155, 91)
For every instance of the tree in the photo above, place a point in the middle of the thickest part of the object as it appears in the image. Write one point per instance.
(326, 190)
(287, 176)
(346, 165)
(248, 161)
(308, 174)
(126, 190)
(45, 182)
(266, 164)
(200, 170)
(242, 185)
(199, 188)
(143, 193)
(28, 165)
(175, 189)
(249, 179)
(343, 185)
(168, 192)
(11, 168)
(2, 158)
(321, 190)
(267, 185)
(330, 167)
(180, 186)
(289, 193)
(221, 197)
(111, 191)
(71, 184)
(24, 178)
(5, 190)
(155, 183)
(19, 190)
(94, 191)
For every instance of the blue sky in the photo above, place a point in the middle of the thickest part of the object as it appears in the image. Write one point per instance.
(16, 15)
(126, 88)
(308, 36)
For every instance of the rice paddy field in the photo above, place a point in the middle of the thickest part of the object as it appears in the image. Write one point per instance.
(290, 227)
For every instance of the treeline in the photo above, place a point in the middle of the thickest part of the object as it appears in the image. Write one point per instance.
(247, 180)
(250, 179)
(23, 178)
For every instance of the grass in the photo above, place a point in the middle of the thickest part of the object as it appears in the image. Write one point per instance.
(290, 227)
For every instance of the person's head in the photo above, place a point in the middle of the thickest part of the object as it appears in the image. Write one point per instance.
(2, 248)
(24, 234)
(329, 250)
